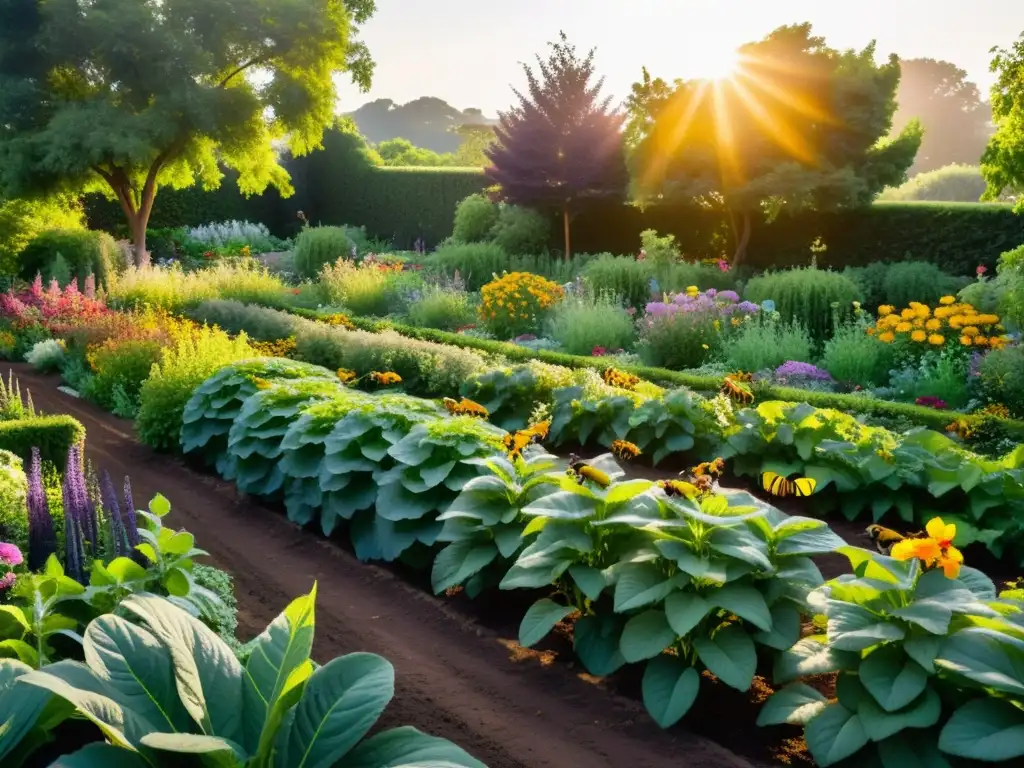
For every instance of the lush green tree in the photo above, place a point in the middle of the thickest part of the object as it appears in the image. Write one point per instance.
(955, 118)
(1003, 161)
(476, 139)
(402, 153)
(128, 96)
(560, 147)
(797, 125)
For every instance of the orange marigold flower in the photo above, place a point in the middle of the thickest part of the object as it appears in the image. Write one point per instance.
(936, 339)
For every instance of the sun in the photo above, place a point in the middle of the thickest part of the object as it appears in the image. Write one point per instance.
(717, 63)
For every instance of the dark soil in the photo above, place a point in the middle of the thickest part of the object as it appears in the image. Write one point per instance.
(457, 677)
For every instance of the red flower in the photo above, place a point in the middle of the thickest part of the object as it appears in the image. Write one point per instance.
(598, 352)
(296, 291)
(982, 269)
(928, 401)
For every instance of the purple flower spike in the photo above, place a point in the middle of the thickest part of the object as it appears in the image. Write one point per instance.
(42, 541)
(113, 511)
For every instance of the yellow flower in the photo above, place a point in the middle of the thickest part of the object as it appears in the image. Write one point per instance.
(933, 324)
(904, 328)
(970, 330)
(936, 339)
(926, 550)
(888, 337)
(957, 321)
(885, 309)
(923, 312)
(965, 340)
(908, 314)
(980, 341)
(918, 336)
(947, 300)
(943, 533)
(692, 290)
(345, 375)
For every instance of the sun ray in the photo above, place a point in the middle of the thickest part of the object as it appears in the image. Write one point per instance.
(657, 164)
(781, 132)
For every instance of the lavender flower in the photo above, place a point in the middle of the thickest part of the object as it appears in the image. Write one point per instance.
(729, 296)
(748, 306)
(42, 541)
(118, 538)
(131, 526)
(793, 369)
(76, 513)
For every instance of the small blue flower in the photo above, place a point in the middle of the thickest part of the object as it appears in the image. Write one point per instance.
(768, 305)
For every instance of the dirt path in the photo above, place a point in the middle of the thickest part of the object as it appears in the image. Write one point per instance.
(454, 678)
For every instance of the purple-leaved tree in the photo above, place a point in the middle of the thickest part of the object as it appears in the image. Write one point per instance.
(560, 146)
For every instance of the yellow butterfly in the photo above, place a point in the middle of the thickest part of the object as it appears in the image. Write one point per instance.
(777, 485)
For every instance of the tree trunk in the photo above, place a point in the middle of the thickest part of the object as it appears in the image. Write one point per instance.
(137, 223)
(565, 226)
(741, 236)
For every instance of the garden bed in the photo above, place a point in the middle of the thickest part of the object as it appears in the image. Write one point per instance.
(456, 678)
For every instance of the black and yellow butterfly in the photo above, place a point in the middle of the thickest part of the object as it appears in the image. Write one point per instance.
(583, 472)
(737, 391)
(780, 486)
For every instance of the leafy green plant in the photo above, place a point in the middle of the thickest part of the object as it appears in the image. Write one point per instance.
(511, 394)
(365, 289)
(448, 309)
(521, 231)
(904, 641)
(85, 252)
(763, 342)
(316, 247)
(171, 382)
(123, 365)
(259, 323)
(907, 281)
(22, 219)
(681, 584)
(175, 290)
(623, 276)
(679, 340)
(476, 263)
(1002, 378)
(475, 217)
(808, 296)
(853, 356)
(13, 493)
(581, 323)
(280, 709)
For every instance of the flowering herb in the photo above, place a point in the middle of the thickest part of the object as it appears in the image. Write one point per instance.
(42, 541)
(794, 369)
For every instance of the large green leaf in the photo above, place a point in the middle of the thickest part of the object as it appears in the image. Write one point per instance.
(457, 562)
(785, 629)
(106, 755)
(880, 725)
(931, 615)
(685, 610)
(670, 687)
(640, 584)
(834, 735)
(406, 746)
(746, 602)
(910, 750)
(596, 642)
(591, 581)
(729, 655)
(985, 729)
(207, 673)
(212, 747)
(796, 704)
(979, 656)
(542, 616)
(21, 705)
(283, 647)
(645, 636)
(342, 701)
(137, 670)
(892, 678)
(563, 505)
(852, 627)
(811, 656)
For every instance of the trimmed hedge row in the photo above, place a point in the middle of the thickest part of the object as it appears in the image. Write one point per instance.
(926, 417)
(52, 435)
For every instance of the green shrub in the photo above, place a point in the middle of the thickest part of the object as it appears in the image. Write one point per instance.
(444, 308)
(679, 341)
(366, 290)
(1011, 277)
(22, 220)
(943, 377)
(581, 323)
(181, 369)
(476, 263)
(1002, 378)
(85, 252)
(13, 506)
(318, 246)
(623, 276)
(851, 356)
(953, 183)
(763, 343)
(521, 231)
(46, 356)
(679, 276)
(58, 270)
(990, 296)
(425, 368)
(808, 296)
(871, 281)
(119, 369)
(260, 323)
(176, 290)
(221, 617)
(908, 281)
(52, 435)
(475, 217)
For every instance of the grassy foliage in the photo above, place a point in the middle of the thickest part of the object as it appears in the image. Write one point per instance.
(854, 357)
(810, 297)
(764, 343)
(366, 289)
(316, 247)
(956, 183)
(595, 319)
(521, 231)
(119, 369)
(1002, 378)
(257, 322)
(176, 290)
(444, 308)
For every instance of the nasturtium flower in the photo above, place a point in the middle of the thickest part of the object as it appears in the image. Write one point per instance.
(947, 300)
(971, 330)
(980, 341)
(934, 551)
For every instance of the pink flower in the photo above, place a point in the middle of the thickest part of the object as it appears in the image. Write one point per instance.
(982, 269)
(7, 580)
(642, 255)
(723, 265)
(598, 352)
(10, 554)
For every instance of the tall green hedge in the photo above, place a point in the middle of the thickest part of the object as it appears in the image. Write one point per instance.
(52, 435)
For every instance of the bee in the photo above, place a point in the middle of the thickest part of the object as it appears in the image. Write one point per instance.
(679, 488)
(777, 485)
(737, 391)
(883, 537)
(583, 472)
(623, 450)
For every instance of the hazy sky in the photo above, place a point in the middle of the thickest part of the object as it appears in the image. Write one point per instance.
(466, 51)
